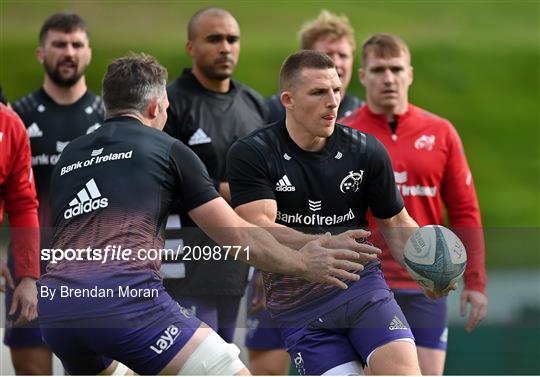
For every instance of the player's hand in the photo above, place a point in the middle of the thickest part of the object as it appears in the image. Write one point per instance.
(348, 240)
(479, 306)
(324, 265)
(25, 299)
(4, 272)
(258, 299)
(438, 294)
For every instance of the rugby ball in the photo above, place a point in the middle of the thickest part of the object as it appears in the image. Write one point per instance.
(435, 257)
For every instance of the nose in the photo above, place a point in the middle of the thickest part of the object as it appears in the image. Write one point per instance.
(333, 100)
(388, 76)
(69, 49)
(225, 47)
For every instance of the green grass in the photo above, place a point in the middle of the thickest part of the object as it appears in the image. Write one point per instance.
(476, 63)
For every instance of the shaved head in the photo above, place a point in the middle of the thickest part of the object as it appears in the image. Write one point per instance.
(206, 12)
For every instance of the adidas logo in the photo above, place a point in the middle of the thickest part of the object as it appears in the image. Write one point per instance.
(284, 184)
(60, 145)
(34, 131)
(396, 324)
(199, 137)
(88, 199)
(315, 205)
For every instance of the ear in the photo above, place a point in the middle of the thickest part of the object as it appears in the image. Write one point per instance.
(189, 48)
(153, 108)
(40, 54)
(286, 99)
(361, 75)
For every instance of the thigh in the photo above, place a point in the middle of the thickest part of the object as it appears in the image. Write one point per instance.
(227, 313)
(428, 318)
(203, 307)
(375, 320)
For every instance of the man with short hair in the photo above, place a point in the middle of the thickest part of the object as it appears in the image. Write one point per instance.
(118, 184)
(333, 35)
(62, 110)
(430, 168)
(208, 112)
(307, 172)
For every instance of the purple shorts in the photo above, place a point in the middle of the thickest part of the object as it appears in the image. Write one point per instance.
(218, 312)
(350, 332)
(428, 318)
(145, 341)
(262, 332)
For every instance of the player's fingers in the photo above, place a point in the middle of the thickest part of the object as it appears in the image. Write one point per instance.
(330, 280)
(366, 249)
(9, 278)
(342, 274)
(14, 305)
(348, 265)
(344, 254)
(358, 233)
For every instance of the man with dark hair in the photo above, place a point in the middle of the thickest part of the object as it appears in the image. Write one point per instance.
(333, 35)
(119, 184)
(430, 168)
(208, 112)
(55, 114)
(307, 172)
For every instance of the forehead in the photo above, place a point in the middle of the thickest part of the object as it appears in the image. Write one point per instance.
(402, 60)
(78, 35)
(329, 44)
(216, 24)
(311, 77)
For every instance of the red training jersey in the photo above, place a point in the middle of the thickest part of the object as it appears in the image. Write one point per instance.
(18, 194)
(430, 168)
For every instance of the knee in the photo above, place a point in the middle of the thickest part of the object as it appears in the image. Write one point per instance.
(31, 361)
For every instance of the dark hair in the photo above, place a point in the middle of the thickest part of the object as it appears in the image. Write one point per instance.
(303, 59)
(384, 45)
(195, 18)
(131, 82)
(65, 22)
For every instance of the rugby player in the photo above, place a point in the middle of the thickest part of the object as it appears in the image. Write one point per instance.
(115, 187)
(209, 111)
(58, 112)
(308, 172)
(432, 175)
(333, 35)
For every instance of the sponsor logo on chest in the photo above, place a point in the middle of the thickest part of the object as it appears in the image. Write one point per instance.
(412, 190)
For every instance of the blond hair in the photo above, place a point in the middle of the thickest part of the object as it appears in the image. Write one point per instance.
(327, 24)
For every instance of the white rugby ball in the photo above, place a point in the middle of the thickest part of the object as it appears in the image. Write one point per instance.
(435, 257)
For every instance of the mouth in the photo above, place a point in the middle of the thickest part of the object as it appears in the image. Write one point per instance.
(329, 117)
(68, 64)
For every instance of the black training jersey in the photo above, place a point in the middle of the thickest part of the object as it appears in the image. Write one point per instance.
(51, 127)
(348, 104)
(317, 192)
(113, 191)
(209, 123)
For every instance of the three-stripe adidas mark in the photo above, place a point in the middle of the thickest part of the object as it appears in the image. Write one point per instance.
(284, 184)
(396, 324)
(87, 200)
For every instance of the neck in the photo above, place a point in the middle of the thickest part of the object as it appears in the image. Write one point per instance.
(65, 95)
(389, 111)
(302, 137)
(220, 86)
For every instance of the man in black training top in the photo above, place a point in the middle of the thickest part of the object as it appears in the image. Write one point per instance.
(208, 112)
(113, 192)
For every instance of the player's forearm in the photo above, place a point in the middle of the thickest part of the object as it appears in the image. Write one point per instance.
(396, 231)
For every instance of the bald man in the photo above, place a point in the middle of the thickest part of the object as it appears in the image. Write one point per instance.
(208, 112)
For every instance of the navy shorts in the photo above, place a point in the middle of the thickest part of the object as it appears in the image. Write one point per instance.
(351, 332)
(428, 318)
(218, 312)
(145, 341)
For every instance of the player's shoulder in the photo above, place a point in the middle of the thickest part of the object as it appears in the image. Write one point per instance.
(431, 118)
(248, 91)
(262, 139)
(28, 103)
(355, 139)
(11, 124)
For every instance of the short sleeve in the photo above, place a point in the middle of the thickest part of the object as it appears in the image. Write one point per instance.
(385, 200)
(247, 175)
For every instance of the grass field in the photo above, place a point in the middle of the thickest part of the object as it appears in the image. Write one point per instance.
(476, 63)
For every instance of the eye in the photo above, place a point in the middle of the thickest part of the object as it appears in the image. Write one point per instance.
(214, 38)
(396, 69)
(233, 39)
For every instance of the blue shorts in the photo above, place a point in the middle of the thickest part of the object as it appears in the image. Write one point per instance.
(218, 312)
(28, 335)
(428, 318)
(145, 341)
(262, 332)
(351, 332)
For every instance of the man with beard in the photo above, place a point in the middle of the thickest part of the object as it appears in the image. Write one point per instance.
(60, 111)
(208, 112)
